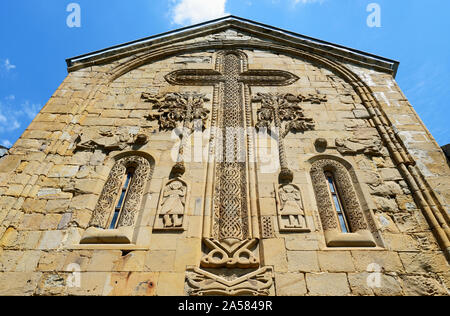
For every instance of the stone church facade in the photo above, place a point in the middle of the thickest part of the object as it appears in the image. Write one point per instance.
(229, 158)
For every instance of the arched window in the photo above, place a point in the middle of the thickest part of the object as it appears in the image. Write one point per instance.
(119, 203)
(339, 207)
(337, 204)
(122, 197)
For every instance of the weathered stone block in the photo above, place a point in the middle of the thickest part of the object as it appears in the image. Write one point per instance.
(303, 261)
(327, 284)
(290, 284)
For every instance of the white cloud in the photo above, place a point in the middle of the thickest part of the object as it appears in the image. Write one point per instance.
(31, 109)
(185, 12)
(6, 143)
(8, 66)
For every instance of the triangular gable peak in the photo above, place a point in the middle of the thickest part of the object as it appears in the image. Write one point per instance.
(234, 31)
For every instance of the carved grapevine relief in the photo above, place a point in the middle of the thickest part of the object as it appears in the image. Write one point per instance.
(284, 112)
(110, 193)
(175, 109)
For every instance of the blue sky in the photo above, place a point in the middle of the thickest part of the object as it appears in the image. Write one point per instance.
(35, 41)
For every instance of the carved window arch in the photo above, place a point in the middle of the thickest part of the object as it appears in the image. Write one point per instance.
(118, 206)
(359, 233)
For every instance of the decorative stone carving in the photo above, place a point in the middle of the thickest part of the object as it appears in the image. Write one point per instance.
(175, 109)
(238, 255)
(267, 227)
(316, 98)
(110, 193)
(109, 139)
(283, 111)
(203, 283)
(172, 206)
(321, 145)
(360, 233)
(347, 192)
(231, 230)
(368, 145)
(291, 213)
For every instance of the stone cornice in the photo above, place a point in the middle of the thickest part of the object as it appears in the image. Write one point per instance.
(258, 30)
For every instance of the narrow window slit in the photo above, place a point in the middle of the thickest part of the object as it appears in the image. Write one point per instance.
(337, 204)
(127, 178)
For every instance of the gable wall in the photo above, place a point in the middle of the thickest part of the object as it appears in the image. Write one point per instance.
(43, 218)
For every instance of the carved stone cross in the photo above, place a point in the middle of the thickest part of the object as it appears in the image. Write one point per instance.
(231, 173)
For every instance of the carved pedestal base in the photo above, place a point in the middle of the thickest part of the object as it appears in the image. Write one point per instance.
(203, 283)
(238, 255)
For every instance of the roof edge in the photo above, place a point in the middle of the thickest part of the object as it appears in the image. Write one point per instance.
(393, 65)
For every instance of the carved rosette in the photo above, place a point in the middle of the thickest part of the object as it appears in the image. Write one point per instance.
(110, 193)
(346, 190)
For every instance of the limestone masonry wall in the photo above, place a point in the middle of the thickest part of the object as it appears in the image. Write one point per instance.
(52, 179)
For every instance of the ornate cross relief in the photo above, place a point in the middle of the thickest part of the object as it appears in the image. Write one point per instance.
(229, 231)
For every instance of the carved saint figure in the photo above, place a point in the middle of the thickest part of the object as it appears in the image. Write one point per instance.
(292, 206)
(172, 207)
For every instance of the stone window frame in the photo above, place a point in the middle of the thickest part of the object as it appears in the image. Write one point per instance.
(97, 232)
(347, 185)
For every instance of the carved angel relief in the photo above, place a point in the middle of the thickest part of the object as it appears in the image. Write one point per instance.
(291, 213)
(172, 206)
